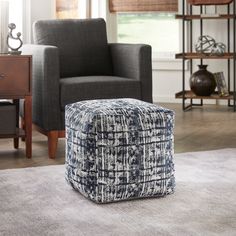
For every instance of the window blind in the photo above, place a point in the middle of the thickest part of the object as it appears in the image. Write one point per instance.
(143, 5)
(64, 5)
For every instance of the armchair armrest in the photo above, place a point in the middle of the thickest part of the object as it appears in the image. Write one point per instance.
(134, 61)
(45, 85)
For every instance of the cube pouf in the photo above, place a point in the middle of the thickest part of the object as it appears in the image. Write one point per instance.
(119, 149)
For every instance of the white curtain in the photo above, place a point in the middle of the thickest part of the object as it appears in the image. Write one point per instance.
(4, 20)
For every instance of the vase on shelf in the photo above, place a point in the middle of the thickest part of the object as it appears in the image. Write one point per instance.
(202, 82)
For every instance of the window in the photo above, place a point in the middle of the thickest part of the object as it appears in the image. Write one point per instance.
(67, 9)
(16, 14)
(10, 12)
(73, 9)
(160, 30)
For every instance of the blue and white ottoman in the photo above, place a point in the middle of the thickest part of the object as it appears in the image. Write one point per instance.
(119, 149)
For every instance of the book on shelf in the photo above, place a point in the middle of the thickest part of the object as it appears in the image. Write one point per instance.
(221, 84)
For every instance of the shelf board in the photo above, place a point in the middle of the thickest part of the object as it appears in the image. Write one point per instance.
(195, 55)
(191, 95)
(196, 17)
(19, 133)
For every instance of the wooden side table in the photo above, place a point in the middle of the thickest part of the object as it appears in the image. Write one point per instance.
(15, 84)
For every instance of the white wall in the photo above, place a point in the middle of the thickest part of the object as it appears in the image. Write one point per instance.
(43, 9)
(165, 85)
(37, 10)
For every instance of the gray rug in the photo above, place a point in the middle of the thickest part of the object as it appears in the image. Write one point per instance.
(37, 201)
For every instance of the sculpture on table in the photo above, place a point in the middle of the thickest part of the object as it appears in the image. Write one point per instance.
(10, 36)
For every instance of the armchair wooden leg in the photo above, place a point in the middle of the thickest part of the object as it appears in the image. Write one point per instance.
(53, 137)
(52, 143)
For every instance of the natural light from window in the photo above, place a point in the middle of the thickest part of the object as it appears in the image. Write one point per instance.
(15, 13)
(160, 30)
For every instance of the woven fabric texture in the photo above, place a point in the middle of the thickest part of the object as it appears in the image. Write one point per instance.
(82, 45)
(119, 149)
(143, 5)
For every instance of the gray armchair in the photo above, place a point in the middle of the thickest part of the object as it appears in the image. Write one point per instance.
(72, 61)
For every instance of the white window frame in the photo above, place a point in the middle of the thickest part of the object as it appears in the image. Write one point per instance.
(29, 18)
(100, 8)
(26, 21)
(171, 63)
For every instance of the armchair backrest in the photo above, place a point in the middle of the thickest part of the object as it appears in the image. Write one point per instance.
(82, 44)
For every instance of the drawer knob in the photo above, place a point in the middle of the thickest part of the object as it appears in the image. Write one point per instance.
(2, 76)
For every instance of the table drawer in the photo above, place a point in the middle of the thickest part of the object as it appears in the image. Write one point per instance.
(15, 75)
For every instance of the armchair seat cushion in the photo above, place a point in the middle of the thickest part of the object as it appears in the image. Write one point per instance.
(97, 87)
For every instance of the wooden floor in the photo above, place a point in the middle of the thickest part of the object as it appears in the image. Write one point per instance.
(204, 128)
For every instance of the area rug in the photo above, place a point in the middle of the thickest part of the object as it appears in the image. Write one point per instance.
(37, 201)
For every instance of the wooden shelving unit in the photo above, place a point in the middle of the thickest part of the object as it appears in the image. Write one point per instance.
(188, 18)
(203, 56)
(190, 95)
(197, 17)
